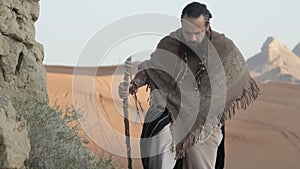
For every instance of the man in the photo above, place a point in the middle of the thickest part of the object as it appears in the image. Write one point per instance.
(197, 78)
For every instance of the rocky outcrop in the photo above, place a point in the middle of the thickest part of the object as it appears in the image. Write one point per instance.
(22, 75)
(14, 143)
(21, 68)
(275, 63)
(296, 50)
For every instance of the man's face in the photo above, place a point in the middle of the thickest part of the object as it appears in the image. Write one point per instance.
(193, 30)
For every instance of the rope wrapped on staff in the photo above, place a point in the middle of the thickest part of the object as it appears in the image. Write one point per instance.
(127, 74)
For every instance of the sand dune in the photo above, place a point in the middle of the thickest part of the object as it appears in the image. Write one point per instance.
(267, 135)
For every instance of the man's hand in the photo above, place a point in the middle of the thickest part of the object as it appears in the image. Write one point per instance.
(125, 90)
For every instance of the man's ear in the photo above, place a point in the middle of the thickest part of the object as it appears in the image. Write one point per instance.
(182, 21)
(208, 25)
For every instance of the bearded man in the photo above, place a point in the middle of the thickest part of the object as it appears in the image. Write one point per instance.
(198, 78)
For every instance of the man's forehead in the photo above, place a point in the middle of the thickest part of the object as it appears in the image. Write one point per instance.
(193, 22)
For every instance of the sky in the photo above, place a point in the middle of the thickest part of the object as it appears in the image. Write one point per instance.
(67, 28)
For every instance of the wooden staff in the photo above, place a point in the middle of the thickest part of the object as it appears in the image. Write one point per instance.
(127, 74)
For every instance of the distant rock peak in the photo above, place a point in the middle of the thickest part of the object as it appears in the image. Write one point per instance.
(272, 43)
(275, 63)
(296, 50)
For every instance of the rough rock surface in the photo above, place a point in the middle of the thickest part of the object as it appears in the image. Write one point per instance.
(14, 143)
(275, 63)
(22, 75)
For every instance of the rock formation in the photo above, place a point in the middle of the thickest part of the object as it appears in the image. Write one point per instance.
(296, 50)
(22, 75)
(275, 63)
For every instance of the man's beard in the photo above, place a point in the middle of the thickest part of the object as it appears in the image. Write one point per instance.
(193, 44)
(198, 48)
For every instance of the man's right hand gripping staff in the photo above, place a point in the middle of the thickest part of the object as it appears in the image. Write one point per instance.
(125, 90)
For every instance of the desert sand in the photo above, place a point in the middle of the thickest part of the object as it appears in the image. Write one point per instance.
(265, 136)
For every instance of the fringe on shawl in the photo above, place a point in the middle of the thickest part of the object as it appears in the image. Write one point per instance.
(249, 96)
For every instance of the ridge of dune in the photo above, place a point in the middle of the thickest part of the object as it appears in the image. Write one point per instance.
(89, 70)
(84, 70)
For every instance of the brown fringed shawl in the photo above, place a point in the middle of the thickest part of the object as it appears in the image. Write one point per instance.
(225, 85)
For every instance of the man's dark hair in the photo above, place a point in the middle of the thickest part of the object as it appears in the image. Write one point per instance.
(195, 9)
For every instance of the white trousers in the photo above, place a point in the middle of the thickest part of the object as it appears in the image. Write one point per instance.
(200, 156)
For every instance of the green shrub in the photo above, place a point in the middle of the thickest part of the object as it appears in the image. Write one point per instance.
(54, 139)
